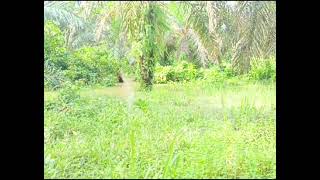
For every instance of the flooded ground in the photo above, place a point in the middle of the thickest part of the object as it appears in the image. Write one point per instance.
(123, 90)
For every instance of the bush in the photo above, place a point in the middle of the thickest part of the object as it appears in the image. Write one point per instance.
(53, 77)
(182, 71)
(161, 73)
(214, 74)
(110, 80)
(228, 70)
(92, 65)
(54, 49)
(263, 69)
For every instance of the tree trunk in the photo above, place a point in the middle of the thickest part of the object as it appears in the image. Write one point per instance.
(213, 21)
(242, 56)
(147, 60)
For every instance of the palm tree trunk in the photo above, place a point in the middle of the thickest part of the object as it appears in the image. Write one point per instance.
(241, 57)
(213, 20)
(147, 61)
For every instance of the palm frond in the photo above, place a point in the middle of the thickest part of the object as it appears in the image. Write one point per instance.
(82, 39)
(62, 16)
(201, 50)
(101, 25)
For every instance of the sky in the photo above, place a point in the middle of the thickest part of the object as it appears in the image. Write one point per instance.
(232, 3)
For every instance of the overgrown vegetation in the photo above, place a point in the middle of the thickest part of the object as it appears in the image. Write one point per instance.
(261, 69)
(210, 71)
(90, 39)
(192, 130)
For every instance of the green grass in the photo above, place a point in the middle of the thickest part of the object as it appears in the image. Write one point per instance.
(190, 130)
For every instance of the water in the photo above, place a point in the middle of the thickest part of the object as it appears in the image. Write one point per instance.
(128, 91)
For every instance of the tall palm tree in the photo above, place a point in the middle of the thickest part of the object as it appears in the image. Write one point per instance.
(249, 29)
(257, 36)
(145, 23)
(75, 19)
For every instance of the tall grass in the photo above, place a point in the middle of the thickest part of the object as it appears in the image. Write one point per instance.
(179, 130)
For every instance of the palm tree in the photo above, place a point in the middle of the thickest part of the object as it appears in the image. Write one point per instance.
(212, 29)
(257, 34)
(250, 31)
(75, 19)
(145, 23)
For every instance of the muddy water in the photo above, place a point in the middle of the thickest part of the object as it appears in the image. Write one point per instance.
(125, 90)
(122, 90)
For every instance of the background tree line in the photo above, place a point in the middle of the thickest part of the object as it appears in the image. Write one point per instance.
(90, 42)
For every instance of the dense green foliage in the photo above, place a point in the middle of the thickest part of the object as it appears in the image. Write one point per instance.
(55, 55)
(182, 71)
(262, 69)
(53, 76)
(211, 67)
(54, 47)
(97, 65)
(90, 65)
(203, 33)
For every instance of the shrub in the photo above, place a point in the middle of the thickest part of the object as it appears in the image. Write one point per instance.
(110, 80)
(228, 70)
(263, 69)
(182, 71)
(200, 73)
(54, 49)
(214, 74)
(92, 65)
(161, 73)
(53, 77)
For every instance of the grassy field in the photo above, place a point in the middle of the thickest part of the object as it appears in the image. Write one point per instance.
(190, 130)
